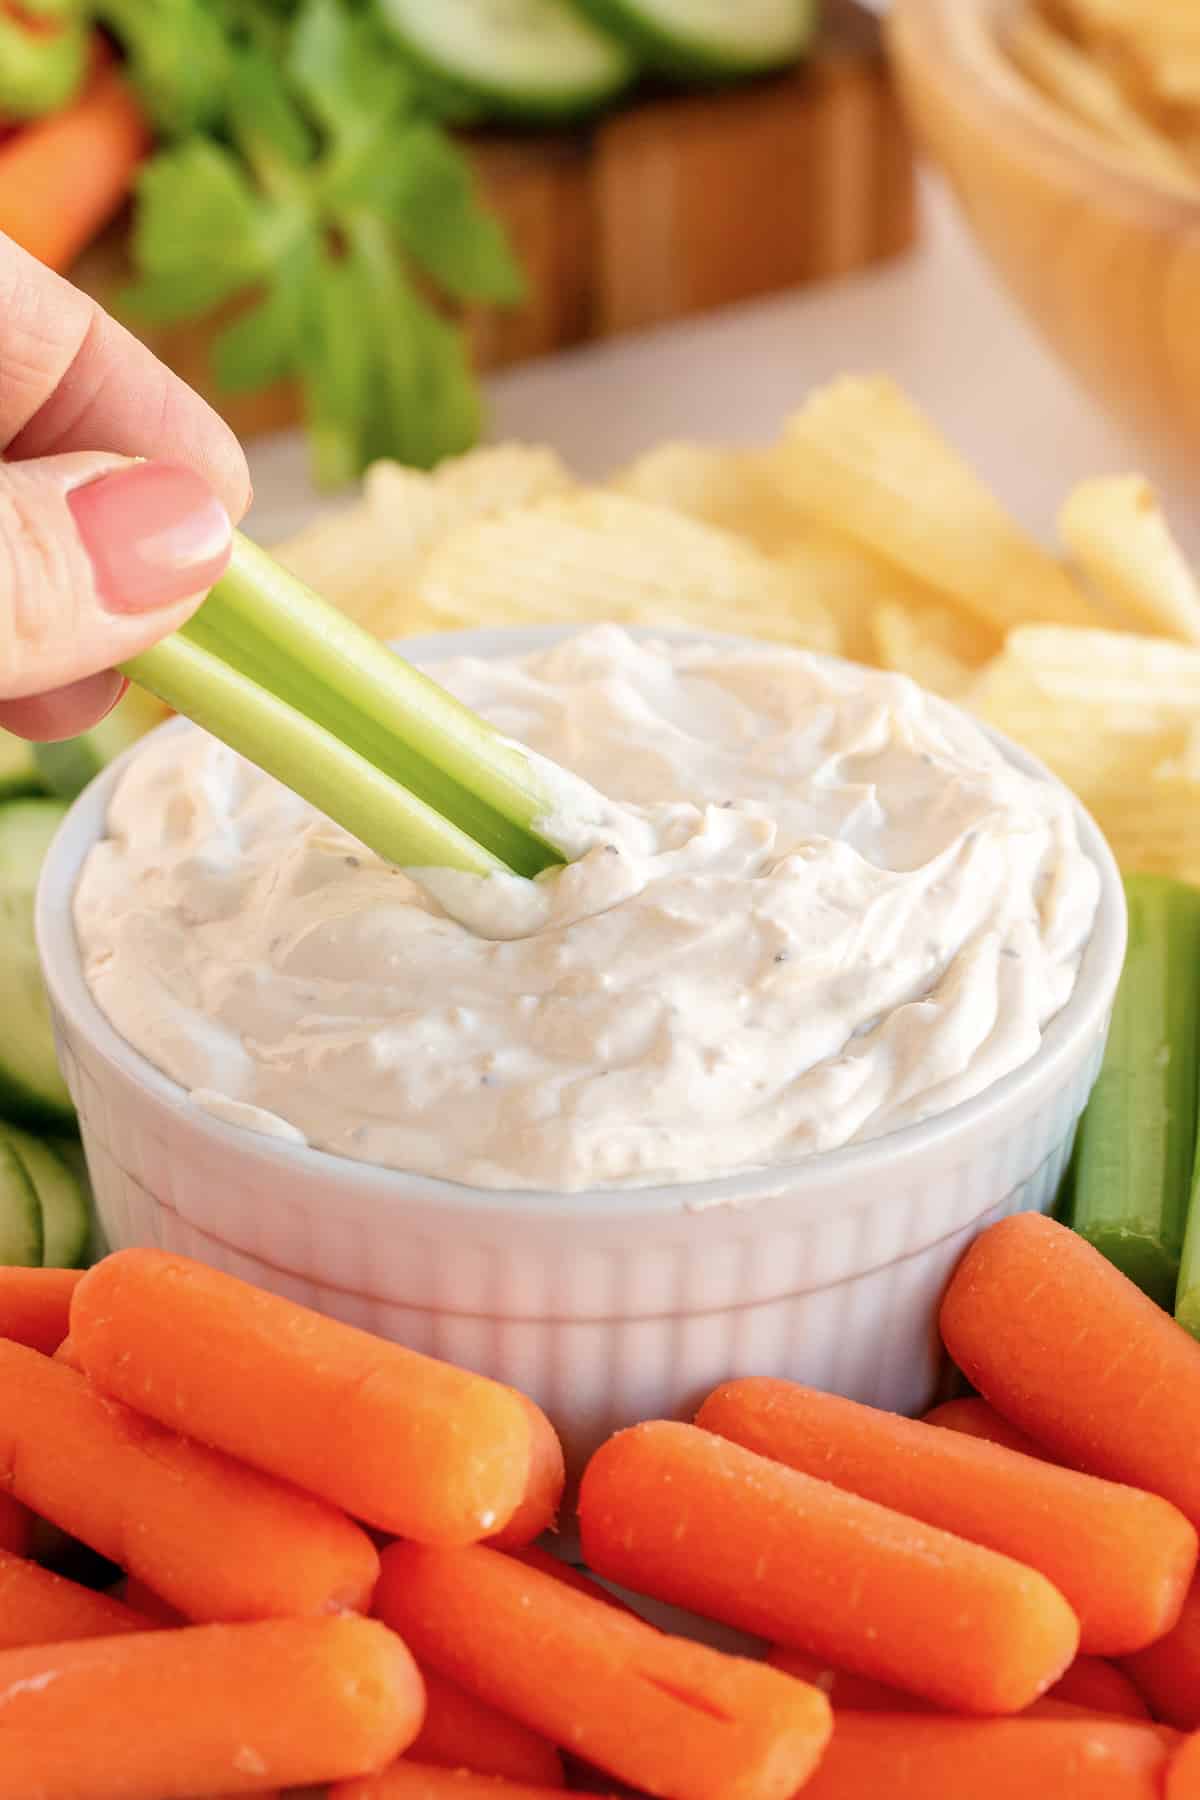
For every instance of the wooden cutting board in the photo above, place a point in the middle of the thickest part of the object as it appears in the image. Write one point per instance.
(673, 204)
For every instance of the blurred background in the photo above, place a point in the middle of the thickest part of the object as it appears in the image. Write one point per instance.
(387, 228)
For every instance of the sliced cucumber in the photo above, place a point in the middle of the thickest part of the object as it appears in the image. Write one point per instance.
(18, 767)
(66, 1216)
(710, 39)
(531, 59)
(67, 767)
(32, 1089)
(20, 1214)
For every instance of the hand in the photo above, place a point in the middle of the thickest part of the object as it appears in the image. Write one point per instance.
(100, 555)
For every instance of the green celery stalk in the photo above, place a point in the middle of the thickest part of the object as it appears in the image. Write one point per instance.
(296, 687)
(1136, 1145)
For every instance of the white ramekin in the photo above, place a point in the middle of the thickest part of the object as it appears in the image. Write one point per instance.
(609, 1306)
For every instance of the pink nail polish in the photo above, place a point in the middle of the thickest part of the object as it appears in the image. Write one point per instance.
(154, 533)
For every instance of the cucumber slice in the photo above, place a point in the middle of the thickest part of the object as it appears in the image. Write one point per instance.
(66, 1216)
(18, 767)
(32, 1089)
(67, 767)
(709, 39)
(531, 59)
(1133, 1165)
(20, 1214)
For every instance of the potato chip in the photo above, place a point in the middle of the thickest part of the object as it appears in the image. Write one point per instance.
(594, 555)
(1090, 92)
(1119, 540)
(933, 645)
(728, 488)
(860, 458)
(496, 477)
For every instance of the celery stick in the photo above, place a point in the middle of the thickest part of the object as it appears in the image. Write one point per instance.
(305, 757)
(297, 688)
(1136, 1143)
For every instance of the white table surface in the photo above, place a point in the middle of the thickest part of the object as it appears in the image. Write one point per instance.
(935, 320)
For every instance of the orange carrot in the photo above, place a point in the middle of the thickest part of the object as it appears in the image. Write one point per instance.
(409, 1780)
(145, 1601)
(663, 1714)
(544, 1482)
(549, 1564)
(1167, 1674)
(1089, 1686)
(213, 1538)
(1183, 1772)
(208, 1709)
(406, 1443)
(873, 1755)
(16, 1526)
(690, 1518)
(1065, 1346)
(1121, 1558)
(460, 1732)
(1101, 1688)
(37, 1607)
(35, 1304)
(846, 1692)
(65, 176)
(975, 1418)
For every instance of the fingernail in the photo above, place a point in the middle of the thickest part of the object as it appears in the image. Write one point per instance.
(154, 533)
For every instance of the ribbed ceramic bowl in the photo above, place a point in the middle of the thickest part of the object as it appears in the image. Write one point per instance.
(606, 1306)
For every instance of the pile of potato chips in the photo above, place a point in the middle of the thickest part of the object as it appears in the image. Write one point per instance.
(859, 532)
(1126, 71)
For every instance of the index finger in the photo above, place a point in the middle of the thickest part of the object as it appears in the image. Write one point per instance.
(71, 378)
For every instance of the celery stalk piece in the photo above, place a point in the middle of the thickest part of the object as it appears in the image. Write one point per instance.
(1136, 1145)
(296, 687)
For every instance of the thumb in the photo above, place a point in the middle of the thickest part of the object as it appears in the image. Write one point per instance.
(100, 557)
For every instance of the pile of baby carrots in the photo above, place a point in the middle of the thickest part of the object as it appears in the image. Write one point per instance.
(998, 1600)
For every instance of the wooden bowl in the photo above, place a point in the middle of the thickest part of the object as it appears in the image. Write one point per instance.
(1105, 262)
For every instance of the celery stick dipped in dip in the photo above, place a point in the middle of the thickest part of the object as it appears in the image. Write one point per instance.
(822, 905)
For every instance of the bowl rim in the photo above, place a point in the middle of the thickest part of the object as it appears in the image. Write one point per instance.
(1079, 1023)
(957, 42)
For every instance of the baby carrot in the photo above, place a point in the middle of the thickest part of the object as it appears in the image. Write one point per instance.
(209, 1709)
(1089, 1686)
(1100, 1687)
(407, 1780)
(975, 1418)
(1167, 1674)
(906, 1758)
(16, 1526)
(669, 1716)
(145, 1601)
(1183, 1772)
(37, 1607)
(846, 1692)
(35, 1305)
(460, 1732)
(675, 1512)
(545, 1478)
(1065, 1346)
(215, 1539)
(549, 1564)
(401, 1441)
(1122, 1559)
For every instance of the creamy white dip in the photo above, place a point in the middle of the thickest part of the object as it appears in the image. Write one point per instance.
(825, 906)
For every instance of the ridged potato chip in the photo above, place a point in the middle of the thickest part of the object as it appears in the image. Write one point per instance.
(728, 488)
(936, 647)
(861, 458)
(1119, 540)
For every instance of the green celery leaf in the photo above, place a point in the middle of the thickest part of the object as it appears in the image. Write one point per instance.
(423, 398)
(430, 196)
(337, 374)
(201, 234)
(178, 56)
(265, 123)
(270, 341)
(346, 70)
